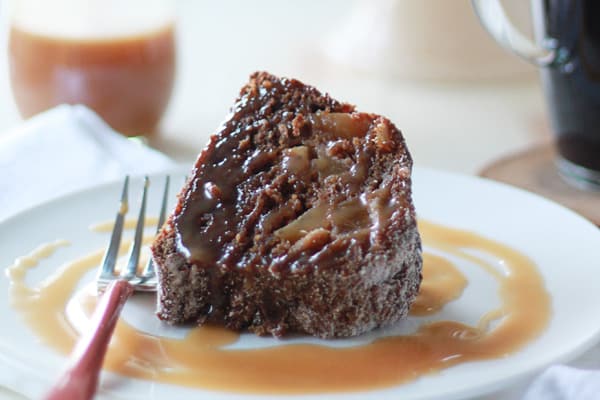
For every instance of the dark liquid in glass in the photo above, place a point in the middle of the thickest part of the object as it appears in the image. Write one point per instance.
(573, 87)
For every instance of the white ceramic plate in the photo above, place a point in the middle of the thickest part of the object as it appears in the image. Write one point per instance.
(565, 247)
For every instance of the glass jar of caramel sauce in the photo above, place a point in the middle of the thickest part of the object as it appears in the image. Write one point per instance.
(115, 56)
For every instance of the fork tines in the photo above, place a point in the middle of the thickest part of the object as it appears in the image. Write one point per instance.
(144, 280)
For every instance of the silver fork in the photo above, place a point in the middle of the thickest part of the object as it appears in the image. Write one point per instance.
(80, 379)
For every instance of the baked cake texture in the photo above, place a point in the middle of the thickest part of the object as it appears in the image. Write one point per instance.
(297, 217)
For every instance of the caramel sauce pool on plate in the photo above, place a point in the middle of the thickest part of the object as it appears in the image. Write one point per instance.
(202, 359)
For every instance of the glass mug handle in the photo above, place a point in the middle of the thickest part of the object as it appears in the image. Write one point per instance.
(492, 16)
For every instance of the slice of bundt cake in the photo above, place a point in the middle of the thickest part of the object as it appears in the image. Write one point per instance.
(297, 217)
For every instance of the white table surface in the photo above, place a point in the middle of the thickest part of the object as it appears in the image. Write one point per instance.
(458, 126)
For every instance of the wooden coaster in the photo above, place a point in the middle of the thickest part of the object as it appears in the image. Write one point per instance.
(534, 170)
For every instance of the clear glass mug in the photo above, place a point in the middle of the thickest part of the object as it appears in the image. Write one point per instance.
(567, 50)
(115, 56)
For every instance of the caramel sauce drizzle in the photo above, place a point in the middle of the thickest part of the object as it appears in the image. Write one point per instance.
(202, 359)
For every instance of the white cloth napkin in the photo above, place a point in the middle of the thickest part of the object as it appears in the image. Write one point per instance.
(63, 150)
(578, 380)
(565, 383)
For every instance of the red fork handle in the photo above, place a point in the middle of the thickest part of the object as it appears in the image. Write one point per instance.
(80, 380)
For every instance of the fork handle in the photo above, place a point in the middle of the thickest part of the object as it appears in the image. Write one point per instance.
(80, 380)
